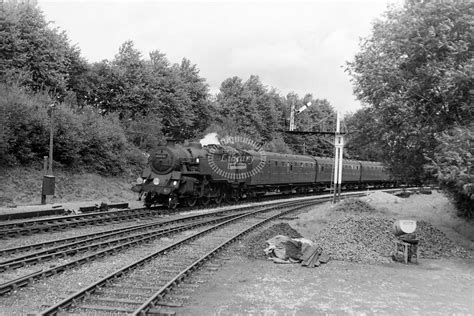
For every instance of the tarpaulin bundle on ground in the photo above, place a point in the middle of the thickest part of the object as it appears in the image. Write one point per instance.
(283, 249)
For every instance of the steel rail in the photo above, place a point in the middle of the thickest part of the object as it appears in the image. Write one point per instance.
(85, 237)
(86, 292)
(88, 237)
(84, 246)
(36, 226)
(25, 280)
(185, 273)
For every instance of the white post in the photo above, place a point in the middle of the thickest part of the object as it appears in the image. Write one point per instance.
(338, 144)
(340, 149)
(51, 140)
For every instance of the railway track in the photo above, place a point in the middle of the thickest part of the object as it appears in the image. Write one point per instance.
(40, 225)
(92, 237)
(34, 226)
(30, 227)
(142, 287)
(99, 245)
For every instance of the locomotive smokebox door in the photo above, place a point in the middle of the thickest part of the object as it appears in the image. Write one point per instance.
(48, 185)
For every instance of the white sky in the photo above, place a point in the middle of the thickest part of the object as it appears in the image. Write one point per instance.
(299, 46)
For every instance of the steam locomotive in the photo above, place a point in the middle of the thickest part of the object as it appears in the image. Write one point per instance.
(179, 174)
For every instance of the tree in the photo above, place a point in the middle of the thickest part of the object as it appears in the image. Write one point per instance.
(32, 53)
(453, 165)
(193, 95)
(237, 102)
(362, 142)
(258, 98)
(173, 96)
(135, 97)
(415, 72)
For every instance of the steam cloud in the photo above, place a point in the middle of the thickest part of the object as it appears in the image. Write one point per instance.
(210, 138)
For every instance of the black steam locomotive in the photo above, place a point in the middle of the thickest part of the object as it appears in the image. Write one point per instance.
(186, 175)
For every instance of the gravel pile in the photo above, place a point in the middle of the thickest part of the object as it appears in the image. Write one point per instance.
(369, 239)
(254, 245)
(354, 205)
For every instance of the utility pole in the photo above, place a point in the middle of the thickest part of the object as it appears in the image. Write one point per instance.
(339, 145)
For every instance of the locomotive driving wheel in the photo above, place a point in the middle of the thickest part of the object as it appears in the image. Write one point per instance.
(191, 201)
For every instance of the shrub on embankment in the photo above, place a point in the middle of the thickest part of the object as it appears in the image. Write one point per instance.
(22, 186)
(84, 140)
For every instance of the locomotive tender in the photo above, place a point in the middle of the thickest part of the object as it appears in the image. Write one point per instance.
(178, 174)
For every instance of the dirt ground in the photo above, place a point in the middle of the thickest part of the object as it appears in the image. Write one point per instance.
(444, 286)
(244, 287)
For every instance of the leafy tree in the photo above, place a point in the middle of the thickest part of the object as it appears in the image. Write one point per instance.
(104, 84)
(362, 141)
(257, 97)
(134, 97)
(32, 53)
(236, 102)
(280, 108)
(191, 94)
(175, 96)
(453, 165)
(415, 72)
(256, 110)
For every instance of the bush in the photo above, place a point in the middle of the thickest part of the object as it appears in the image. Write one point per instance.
(104, 143)
(83, 139)
(25, 134)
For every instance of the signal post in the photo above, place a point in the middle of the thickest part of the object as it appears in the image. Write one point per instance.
(338, 145)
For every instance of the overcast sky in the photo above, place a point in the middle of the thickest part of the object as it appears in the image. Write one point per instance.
(290, 45)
